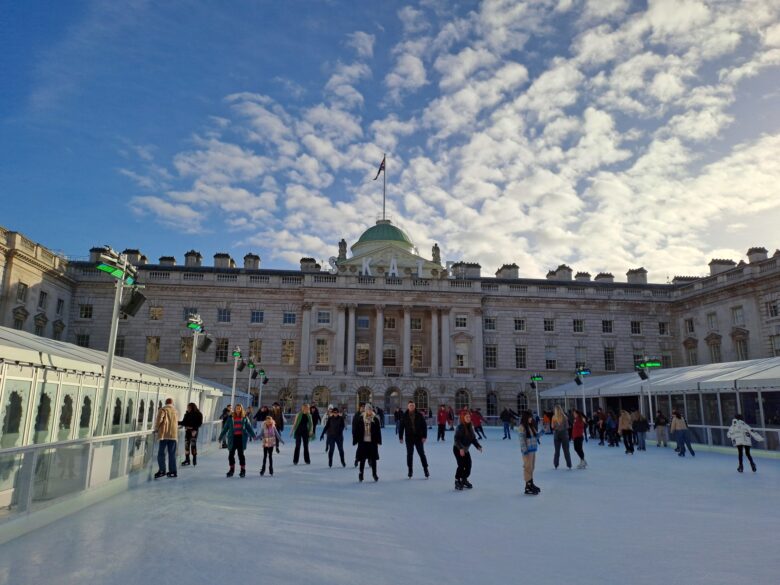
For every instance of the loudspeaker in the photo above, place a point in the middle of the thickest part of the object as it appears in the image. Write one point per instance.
(204, 343)
(578, 380)
(254, 374)
(241, 365)
(133, 303)
(643, 374)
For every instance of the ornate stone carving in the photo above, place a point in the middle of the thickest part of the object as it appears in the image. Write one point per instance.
(342, 250)
(436, 254)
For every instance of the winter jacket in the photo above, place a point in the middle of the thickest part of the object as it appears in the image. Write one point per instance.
(476, 419)
(192, 420)
(578, 428)
(227, 431)
(526, 441)
(278, 419)
(624, 423)
(413, 426)
(359, 431)
(465, 437)
(559, 426)
(641, 425)
(167, 423)
(315, 415)
(262, 414)
(298, 420)
(270, 436)
(441, 417)
(678, 424)
(661, 421)
(334, 427)
(740, 433)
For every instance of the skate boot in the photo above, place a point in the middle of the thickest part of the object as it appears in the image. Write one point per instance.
(753, 466)
(537, 489)
(185, 462)
(194, 459)
(427, 473)
(529, 489)
(242, 473)
(230, 472)
(740, 469)
(466, 484)
(159, 474)
(262, 471)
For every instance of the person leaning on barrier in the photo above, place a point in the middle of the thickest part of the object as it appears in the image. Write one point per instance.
(192, 421)
(167, 428)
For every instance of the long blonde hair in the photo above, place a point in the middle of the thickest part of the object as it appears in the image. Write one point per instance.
(239, 410)
(559, 416)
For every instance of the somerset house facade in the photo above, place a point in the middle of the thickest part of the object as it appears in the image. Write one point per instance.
(385, 324)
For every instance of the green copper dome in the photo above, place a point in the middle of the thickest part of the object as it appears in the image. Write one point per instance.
(384, 231)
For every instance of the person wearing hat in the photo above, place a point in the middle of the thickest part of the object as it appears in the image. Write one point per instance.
(334, 430)
(416, 431)
(367, 435)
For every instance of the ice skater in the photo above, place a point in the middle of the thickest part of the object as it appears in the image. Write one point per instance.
(661, 423)
(641, 426)
(271, 438)
(441, 420)
(465, 437)
(560, 429)
(742, 436)
(529, 444)
(415, 430)
(476, 420)
(681, 434)
(236, 432)
(626, 430)
(577, 435)
(303, 431)
(367, 435)
(192, 421)
(167, 428)
(334, 430)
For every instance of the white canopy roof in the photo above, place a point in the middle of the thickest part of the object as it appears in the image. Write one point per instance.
(761, 373)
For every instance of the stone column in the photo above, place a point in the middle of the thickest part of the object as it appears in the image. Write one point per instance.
(379, 339)
(446, 368)
(479, 349)
(407, 345)
(351, 340)
(434, 341)
(305, 338)
(341, 331)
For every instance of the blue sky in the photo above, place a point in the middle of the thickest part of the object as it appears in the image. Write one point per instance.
(605, 134)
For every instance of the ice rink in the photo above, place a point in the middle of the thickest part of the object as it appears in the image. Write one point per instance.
(651, 518)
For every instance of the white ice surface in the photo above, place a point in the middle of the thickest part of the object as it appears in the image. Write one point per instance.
(653, 518)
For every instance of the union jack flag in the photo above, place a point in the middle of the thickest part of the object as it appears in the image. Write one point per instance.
(381, 168)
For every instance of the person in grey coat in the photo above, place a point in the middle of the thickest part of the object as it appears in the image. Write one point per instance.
(560, 429)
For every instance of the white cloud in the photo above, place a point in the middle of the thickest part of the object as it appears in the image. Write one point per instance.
(408, 75)
(363, 43)
(176, 215)
(412, 20)
(340, 86)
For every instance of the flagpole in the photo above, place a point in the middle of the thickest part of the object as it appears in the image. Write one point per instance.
(384, 184)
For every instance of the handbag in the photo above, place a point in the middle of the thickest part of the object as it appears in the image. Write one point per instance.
(533, 447)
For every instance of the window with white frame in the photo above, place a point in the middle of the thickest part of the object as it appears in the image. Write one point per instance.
(152, 353)
(578, 326)
(715, 353)
(362, 354)
(663, 328)
(461, 321)
(82, 339)
(21, 292)
(712, 321)
(187, 312)
(773, 309)
(389, 355)
(322, 351)
(417, 355)
(323, 317)
(491, 356)
(689, 326)
(363, 322)
(155, 313)
(288, 352)
(521, 357)
(223, 315)
(580, 357)
(519, 324)
(288, 318)
(737, 315)
(550, 358)
(85, 311)
(60, 306)
(461, 354)
(389, 322)
(222, 350)
(43, 300)
(185, 349)
(741, 345)
(416, 323)
(256, 350)
(256, 317)
(489, 323)
(692, 355)
(609, 359)
(775, 339)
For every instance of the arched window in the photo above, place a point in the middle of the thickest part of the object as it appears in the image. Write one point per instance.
(17, 394)
(522, 402)
(462, 400)
(421, 399)
(141, 414)
(286, 400)
(66, 418)
(492, 404)
(392, 400)
(321, 397)
(86, 417)
(363, 396)
(129, 413)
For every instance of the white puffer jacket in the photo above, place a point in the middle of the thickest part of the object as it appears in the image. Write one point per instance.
(740, 433)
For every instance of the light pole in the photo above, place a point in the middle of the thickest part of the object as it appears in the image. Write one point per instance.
(580, 380)
(236, 359)
(195, 323)
(534, 379)
(642, 370)
(263, 381)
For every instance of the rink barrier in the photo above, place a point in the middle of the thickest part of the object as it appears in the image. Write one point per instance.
(40, 484)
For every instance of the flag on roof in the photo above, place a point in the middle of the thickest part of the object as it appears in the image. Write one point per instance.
(381, 168)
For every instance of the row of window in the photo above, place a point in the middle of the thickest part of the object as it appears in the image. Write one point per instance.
(740, 347)
(551, 360)
(43, 298)
(737, 318)
(578, 326)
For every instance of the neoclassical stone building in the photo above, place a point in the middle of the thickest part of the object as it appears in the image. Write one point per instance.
(386, 324)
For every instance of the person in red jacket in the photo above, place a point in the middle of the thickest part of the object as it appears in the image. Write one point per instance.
(441, 420)
(577, 435)
(476, 420)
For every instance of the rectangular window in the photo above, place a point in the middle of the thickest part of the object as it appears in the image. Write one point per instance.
(82, 339)
(152, 354)
(223, 315)
(85, 311)
(491, 356)
(689, 327)
(580, 357)
(417, 355)
(712, 321)
(416, 324)
(256, 350)
(521, 355)
(693, 356)
(715, 353)
(636, 328)
(322, 352)
(222, 350)
(549, 325)
(363, 322)
(609, 359)
(156, 313)
(256, 317)
(39, 330)
(21, 293)
(323, 317)
(288, 352)
(638, 358)
(606, 326)
(550, 358)
(742, 349)
(43, 300)
(388, 356)
(578, 326)
(737, 316)
(663, 328)
(461, 355)
(666, 360)
(362, 354)
(773, 309)
(775, 339)
(188, 312)
(60, 306)
(461, 321)
(18, 324)
(389, 322)
(490, 323)
(119, 348)
(288, 318)
(185, 350)
(519, 324)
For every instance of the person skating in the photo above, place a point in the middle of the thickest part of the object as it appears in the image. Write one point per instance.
(414, 429)
(397, 416)
(316, 418)
(270, 437)
(465, 437)
(611, 424)
(278, 416)
(357, 420)
(192, 421)
(577, 435)
(167, 428)
(560, 428)
(441, 420)
(641, 427)
(742, 437)
(529, 444)
(450, 418)
(625, 430)
(680, 432)
(262, 413)
(476, 420)
(236, 431)
(226, 412)
(303, 431)
(334, 431)
(661, 423)
(367, 435)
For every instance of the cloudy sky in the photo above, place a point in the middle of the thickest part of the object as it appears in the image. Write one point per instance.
(605, 134)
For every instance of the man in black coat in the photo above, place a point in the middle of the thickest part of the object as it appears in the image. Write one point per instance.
(416, 431)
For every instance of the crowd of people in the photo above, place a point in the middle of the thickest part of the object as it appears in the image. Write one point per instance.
(239, 426)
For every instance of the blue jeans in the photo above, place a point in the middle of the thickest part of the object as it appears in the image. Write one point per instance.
(683, 439)
(507, 434)
(641, 443)
(168, 445)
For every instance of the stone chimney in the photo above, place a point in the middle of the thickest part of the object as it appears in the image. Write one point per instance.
(563, 272)
(193, 259)
(582, 277)
(251, 262)
(684, 279)
(309, 265)
(167, 261)
(757, 255)
(604, 277)
(223, 260)
(508, 271)
(94, 254)
(636, 276)
(718, 265)
(466, 270)
(133, 256)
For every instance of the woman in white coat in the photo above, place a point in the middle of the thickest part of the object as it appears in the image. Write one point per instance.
(741, 435)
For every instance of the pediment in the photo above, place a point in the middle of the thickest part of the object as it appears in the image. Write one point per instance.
(462, 336)
(713, 339)
(690, 342)
(739, 333)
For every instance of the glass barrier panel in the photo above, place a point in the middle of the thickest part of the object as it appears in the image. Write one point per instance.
(698, 435)
(44, 411)
(693, 415)
(678, 404)
(58, 472)
(771, 402)
(137, 453)
(86, 412)
(10, 473)
(771, 441)
(67, 412)
(118, 400)
(711, 414)
(728, 406)
(750, 407)
(16, 398)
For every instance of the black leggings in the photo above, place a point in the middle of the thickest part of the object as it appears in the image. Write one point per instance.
(578, 448)
(191, 441)
(268, 453)
(464, 464)
(740, 448)
(238, 445)
(298, 440)
(440, 433)
(628, 441)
